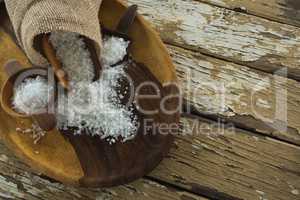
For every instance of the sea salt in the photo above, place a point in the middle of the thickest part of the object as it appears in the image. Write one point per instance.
(114, 50)
(96, 109)
(93, 107)
(36, 132)
(74, 56)
(31, 96)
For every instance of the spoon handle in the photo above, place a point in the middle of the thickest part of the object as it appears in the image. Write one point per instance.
(127, 20)
(49, 52)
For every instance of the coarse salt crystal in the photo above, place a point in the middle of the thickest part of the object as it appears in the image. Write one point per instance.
(99, 112)
(36, 132)
(31, 96)
(93, 107)
(114, 50)
(74, 56)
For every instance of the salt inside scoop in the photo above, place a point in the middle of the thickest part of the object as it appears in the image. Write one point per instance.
(31, 96)
(114, 50)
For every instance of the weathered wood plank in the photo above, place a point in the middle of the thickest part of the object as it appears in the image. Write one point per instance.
(17, 182)
(222, 164)
(231, 161)
(285, 11)
(257, 100)
(227, 34)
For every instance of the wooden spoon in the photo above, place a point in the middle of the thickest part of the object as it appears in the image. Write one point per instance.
(49, 52)
(122, 29)
(124, 24)
(16, 75)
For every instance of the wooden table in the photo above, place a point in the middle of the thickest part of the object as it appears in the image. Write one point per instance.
(251, 49)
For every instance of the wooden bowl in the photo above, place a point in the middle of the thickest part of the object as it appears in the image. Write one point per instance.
(89, 161)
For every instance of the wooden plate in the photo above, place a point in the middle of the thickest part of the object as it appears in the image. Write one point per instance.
(89, 161)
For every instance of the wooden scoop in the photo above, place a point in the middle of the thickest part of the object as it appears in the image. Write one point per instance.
(16, 75)
(122, 28)
(49, 52)
(60, 73)
(124, 24)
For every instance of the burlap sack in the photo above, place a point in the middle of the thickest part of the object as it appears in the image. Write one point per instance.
(31, 18)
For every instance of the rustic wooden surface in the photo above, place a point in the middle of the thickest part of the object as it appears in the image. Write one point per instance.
(226, 34)
(234, 43)
(285, 11)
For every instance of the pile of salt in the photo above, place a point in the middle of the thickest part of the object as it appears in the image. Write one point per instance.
(93, 107)
(114, 50)
(31, 96)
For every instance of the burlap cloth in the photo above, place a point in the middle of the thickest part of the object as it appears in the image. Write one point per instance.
(31, 18)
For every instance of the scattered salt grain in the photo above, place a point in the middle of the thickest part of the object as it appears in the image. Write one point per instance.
(18, 129)
(93, 107)
(36, 132)
(27, 130)
(114, 50)
(31, 96)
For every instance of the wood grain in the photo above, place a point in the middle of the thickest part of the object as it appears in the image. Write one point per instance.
(17, 181)
(284, 11)
(222, 33)
(231, 163)
(256, 100)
